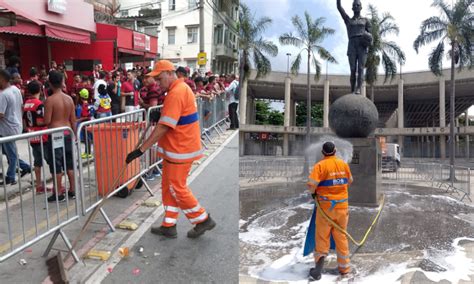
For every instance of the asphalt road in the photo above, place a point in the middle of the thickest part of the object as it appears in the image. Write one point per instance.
(214, 257)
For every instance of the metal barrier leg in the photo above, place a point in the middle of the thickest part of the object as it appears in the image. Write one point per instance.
(159, 170)
(226, 122)
(220, 128)
(207, 136)
(68, 245)
(66, 241)
(147, 186)
(204, 143)
(107, 220)
(51, 243)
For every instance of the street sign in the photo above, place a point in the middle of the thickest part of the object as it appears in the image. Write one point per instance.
(202, 58)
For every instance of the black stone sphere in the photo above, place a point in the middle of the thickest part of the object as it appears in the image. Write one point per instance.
(353, 116)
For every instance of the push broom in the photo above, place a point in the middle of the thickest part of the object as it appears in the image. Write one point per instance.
(56, 269)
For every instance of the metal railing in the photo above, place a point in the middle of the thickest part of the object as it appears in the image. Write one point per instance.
(35, 217)
(153, 161)
(263, 169)
(112, 138)
(97, 156)
(455, 180)
(212, 116)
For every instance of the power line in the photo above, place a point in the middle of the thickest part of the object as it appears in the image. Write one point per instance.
(140, 5)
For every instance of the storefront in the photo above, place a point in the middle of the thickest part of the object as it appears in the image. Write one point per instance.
(61, 30)
(130, 46)
(33, 35)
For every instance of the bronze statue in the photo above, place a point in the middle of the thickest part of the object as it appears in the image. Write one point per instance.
(360, 39)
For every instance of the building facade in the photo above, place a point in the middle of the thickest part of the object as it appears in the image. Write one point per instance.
(179, 33)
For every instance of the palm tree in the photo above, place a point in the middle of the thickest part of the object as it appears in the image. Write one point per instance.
(253, 47)
(387, 52)
(308, 37)
(455, 27)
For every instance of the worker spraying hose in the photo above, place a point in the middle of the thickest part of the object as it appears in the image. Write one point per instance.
(329, 182)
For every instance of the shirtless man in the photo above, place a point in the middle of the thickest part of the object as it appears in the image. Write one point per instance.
(59, 112)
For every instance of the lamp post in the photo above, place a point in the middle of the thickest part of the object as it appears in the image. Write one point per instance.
(288, 65)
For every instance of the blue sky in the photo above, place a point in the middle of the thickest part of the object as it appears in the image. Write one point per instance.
(408, 15)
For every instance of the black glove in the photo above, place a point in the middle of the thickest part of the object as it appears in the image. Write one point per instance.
(133, 155)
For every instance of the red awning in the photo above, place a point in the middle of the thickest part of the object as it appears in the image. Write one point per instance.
(68, 34)
(23, 28)
(130, 51)
(20, 13)
(150, 55)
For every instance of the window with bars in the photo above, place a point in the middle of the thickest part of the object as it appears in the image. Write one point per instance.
(171, 36)
(192, 34)
(172, 5)
(218, 34)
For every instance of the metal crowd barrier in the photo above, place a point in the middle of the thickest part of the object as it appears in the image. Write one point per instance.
(263, 169)
(212, 116)
(97, 156)
(437, 175)
(153, 162)
(112, 138)
(34, 218)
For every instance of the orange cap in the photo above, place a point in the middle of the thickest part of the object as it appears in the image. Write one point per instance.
(161, 66)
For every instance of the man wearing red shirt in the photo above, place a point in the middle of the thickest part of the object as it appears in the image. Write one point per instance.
(151, 95)
(129, 94)
(182, 73)
(33, 116)
(76, 87)
(18, 82)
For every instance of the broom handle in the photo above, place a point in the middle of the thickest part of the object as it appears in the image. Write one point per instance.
(101, 203)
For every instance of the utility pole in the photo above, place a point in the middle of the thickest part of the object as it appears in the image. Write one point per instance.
(201, 30)
(288, 65)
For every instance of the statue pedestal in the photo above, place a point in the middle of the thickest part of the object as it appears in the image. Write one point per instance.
(366, 168)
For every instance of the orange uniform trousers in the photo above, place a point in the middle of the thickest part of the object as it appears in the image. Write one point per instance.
(323, 234)
(177, 195)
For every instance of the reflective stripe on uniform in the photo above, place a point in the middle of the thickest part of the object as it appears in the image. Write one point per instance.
(201, 217)
(179, 156)
(188, 119)
(192, 210)
(169, 120)
(342, 256)
(332, 182)
(343, 265)
(172, 209)
(170, 220)
(312, 181)
(317, 254)
(333, 202)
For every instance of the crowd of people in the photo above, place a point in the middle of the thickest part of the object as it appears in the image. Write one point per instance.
(27, 106)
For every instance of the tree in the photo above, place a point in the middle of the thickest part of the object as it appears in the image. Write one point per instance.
(253, 46)
(455, 28)
(309, 37)
(382, 51)
(316, 114)
(252, 43)
(265, 115)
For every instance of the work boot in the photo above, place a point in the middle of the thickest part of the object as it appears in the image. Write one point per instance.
(169, 232)
(315, 273)
(200, 228)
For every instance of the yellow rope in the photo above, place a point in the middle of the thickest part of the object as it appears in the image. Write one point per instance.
(358, 243)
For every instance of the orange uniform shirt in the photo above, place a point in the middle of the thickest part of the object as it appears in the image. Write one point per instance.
(331, 176)
(182, 143)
